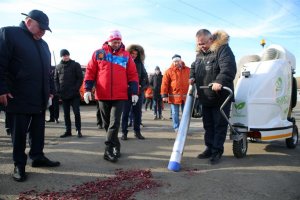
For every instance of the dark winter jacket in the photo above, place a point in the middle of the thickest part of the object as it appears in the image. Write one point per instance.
(24, 70)
(215, 66)
(140, 68)
(155, 83)
(68, 79)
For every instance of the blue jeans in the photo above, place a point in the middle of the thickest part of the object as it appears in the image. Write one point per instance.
(175, 114)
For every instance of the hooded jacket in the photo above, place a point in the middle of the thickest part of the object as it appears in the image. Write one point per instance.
(175, 84)
(217, 65)
(112, 72)
(140, 68)
(24, 70)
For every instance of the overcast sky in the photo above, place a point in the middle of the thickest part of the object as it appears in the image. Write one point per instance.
(162, 27)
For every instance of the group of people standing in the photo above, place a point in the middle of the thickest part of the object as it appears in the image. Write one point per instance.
(119, 78)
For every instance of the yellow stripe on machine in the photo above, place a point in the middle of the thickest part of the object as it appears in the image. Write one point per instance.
(273, 137)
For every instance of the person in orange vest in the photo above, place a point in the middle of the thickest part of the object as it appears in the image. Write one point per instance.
(175, 86)
(149, 98)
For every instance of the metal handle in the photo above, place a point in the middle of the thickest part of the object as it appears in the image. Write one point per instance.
(224, 104)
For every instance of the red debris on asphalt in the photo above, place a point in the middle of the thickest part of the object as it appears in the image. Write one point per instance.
(191, 172)
(121, 187)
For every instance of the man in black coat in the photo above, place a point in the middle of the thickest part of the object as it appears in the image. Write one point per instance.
(25, 88)
(155, 82)
(68, 80)
(214, 65)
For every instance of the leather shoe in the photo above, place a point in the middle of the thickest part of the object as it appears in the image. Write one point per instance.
(66, 134)
(44, 162)
(19, 174)
(205, 154)
(117, 152)
(124, 137)
(139, 136)
(8, 132)
(79, 134)
(100, 126)
(50, 120)
(56, 121)
(215, 158)
(109, 155)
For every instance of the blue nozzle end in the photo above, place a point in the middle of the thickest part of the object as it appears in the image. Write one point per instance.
(174, 166)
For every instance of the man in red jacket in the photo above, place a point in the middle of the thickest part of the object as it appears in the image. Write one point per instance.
(113, 72)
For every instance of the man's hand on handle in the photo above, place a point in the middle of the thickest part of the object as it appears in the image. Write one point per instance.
(216, 87)
(4, 98)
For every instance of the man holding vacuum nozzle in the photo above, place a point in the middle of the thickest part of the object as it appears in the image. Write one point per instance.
(214, 65)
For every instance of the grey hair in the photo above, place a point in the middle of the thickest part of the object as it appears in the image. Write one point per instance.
(203, 32)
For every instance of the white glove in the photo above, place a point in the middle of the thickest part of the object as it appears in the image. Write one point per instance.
(87, 97)
(134, 99)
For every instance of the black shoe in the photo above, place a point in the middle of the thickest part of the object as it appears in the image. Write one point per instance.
(205, 154)
(99, 126)
(130, 124)
(19, 174)
(117, 152)
(124, 137)
(50, 120)
(79, 134)
(66, 134)
(109, 155)
(215, 158)
(44, 162)
(56, 121)
(139, 136)
(8, 131)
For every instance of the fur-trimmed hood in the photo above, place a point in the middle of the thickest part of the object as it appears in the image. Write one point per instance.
(139, 48)
(220, 38)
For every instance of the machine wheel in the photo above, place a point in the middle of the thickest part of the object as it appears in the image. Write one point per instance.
(240, 147)
(292, 142)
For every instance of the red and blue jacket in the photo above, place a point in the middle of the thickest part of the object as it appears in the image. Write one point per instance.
(113, 73)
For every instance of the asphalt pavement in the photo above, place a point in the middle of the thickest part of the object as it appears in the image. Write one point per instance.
(270, 171)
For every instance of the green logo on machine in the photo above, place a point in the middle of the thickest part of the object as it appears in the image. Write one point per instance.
(238, 108)
(278, 84)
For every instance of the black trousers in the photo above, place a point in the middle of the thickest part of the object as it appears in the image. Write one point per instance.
(149, 102)
(111, 112)
(20, 125)
(137, 115)
(54, 108)
(215, 127)
(75, 103)
(98, 115)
